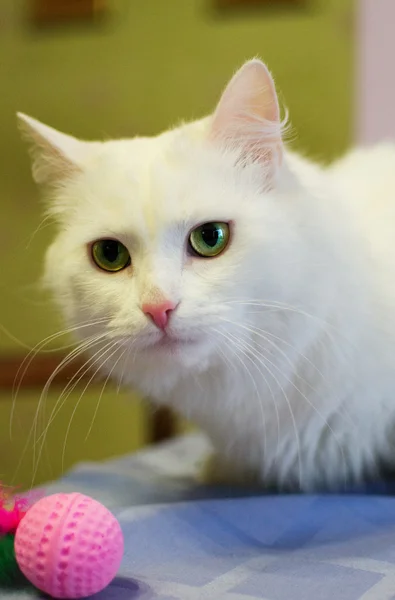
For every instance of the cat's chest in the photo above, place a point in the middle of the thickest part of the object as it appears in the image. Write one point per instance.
(241, 411)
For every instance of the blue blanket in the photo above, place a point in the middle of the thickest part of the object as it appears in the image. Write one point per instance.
(185, 542)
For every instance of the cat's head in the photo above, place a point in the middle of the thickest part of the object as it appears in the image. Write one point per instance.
(164, 244)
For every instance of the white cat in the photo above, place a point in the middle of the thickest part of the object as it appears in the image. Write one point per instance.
(248, 288)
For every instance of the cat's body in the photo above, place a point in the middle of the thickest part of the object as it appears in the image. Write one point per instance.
(281, 347)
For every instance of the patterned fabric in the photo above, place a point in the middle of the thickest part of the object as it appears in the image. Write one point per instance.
(191, 543)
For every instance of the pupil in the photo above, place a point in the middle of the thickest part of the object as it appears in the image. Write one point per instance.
(210, 236)
(111, 251)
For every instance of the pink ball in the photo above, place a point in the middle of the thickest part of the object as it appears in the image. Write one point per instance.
(69, 546)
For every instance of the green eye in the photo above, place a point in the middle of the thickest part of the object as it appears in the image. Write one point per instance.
(210, 239)
(110, 255)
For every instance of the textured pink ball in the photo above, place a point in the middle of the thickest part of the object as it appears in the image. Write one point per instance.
(69, 546)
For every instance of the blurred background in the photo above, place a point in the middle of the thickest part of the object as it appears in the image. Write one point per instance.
(120, 68)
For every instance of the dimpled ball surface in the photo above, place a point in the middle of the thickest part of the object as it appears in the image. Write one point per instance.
(69, 546)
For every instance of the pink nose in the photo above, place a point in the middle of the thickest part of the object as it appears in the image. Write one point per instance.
(159, 313)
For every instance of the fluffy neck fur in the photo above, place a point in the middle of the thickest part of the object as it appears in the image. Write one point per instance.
(284, 341)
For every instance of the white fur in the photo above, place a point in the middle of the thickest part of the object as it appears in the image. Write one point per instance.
(288, 361)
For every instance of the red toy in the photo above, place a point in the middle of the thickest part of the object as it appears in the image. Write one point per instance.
(66, 545)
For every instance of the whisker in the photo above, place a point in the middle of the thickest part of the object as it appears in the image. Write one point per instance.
(25, 364)
(69, 389)
(44, 223)
(81, 348)
(224, 356)
(74, 381)
(126, 361)
(102, 392)
(261, 333)
(116, 344)
(13, 338)
(251, 349)
(264, 333)
(308, 401)
(275, 304)
(225, 335)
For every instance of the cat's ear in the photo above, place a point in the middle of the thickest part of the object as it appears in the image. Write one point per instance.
(248, 116)
(55, 155)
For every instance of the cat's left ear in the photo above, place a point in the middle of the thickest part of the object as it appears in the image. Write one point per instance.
(55, 155)
(248, 116)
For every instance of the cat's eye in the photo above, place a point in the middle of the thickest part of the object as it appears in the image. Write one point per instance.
(210, 239)
(110, 255)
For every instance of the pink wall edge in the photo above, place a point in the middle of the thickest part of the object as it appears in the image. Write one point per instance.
(375, 70)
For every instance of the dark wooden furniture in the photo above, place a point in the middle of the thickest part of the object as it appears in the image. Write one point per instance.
(46, 12)
(162, 421)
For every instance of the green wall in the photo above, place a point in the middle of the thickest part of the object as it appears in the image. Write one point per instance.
(149, 65)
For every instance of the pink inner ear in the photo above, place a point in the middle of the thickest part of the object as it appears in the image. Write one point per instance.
(248, 114)
(55, 154)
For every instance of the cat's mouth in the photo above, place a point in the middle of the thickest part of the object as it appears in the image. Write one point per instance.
(171, 343)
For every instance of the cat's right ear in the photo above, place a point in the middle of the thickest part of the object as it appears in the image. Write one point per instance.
(55, 156)
(247, 117)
